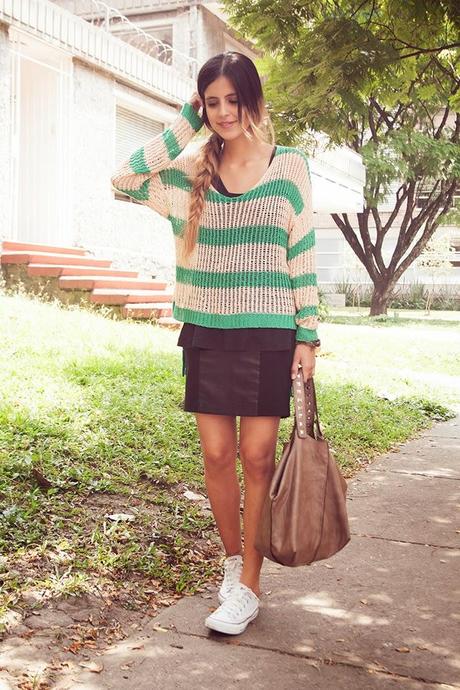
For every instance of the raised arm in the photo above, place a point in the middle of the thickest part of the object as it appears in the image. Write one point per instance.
(141, 175)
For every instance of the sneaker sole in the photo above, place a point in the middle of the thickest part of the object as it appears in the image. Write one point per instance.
(230, 628)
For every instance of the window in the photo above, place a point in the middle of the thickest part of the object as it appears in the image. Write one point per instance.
(132, 132)
(455, 245)
(424, 190)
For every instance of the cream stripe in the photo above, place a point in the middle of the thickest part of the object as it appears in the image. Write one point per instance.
(235, 300)
(302, 263)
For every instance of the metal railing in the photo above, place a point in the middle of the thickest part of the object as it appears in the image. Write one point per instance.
(131, 6)
(110, 18)
(59, 27)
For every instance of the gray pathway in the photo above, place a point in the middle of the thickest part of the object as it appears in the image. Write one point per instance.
(383, 613)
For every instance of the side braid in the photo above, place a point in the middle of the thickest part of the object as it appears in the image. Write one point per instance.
(206, 166)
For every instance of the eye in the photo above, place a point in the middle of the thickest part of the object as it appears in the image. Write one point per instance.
(211, 105)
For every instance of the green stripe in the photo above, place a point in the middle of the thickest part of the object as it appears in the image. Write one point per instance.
(243, 320)
(284, 149)
(172, 145)
(209, 279)
(137, 161)
(141, 194)
(305, 334)
(177, 225)
(246, 234)
(190, 114)
(175, 178)
(303, 280)
(279, 187)
(310, 310)
(237, 235)
(303, 245)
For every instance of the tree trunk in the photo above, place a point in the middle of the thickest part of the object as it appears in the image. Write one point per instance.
(380, 298)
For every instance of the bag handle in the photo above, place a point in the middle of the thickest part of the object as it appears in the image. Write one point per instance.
(305, 406)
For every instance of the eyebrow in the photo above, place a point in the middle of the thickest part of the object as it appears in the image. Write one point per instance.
(228, 94)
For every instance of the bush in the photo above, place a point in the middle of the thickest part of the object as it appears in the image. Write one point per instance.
(412, 296)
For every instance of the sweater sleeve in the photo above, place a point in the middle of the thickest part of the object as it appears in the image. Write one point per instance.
(301, 258)
(140, 177)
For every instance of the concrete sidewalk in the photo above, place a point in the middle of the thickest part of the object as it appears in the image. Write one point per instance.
(382, 613)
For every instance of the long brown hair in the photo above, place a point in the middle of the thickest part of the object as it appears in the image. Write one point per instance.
(242, 72)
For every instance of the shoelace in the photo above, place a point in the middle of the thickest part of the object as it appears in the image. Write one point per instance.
(237, 601)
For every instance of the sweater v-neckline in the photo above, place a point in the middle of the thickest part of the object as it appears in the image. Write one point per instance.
(256, 186)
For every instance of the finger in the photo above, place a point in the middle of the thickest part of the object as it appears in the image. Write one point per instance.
(308, 371)
(305, 375)
(294, 369)
(308, 375)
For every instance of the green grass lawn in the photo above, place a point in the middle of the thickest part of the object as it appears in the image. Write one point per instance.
(91, 424)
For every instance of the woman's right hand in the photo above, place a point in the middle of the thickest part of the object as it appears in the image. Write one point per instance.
(196, 102)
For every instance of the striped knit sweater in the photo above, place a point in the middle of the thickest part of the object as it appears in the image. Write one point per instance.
(254, 262)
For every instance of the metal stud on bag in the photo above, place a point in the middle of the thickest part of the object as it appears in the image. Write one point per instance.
(305, 408)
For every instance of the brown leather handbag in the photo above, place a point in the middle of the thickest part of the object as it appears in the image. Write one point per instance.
(304, 517)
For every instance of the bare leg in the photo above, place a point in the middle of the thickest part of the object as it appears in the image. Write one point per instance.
(258, 437)
(218, 440)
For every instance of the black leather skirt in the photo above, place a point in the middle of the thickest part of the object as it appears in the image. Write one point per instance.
(240, 372)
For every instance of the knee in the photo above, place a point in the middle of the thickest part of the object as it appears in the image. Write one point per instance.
(217, 461)
(257, 464)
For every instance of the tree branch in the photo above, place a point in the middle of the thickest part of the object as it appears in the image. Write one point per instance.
(344, 225)
(380, 236)
(424, 51)
(397, 206)
(437, 133)
(430, 228)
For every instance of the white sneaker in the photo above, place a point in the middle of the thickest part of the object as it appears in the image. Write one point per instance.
(233, 565)
(239, 609)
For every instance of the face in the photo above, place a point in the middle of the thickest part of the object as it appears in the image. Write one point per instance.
(221, 102)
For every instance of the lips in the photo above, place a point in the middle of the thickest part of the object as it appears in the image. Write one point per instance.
(226, 124)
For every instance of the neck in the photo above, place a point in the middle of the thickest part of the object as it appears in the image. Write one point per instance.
(242, 150)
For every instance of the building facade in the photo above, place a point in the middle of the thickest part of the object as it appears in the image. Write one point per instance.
(82, 85)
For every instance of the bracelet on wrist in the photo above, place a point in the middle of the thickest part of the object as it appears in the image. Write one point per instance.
(311, 343)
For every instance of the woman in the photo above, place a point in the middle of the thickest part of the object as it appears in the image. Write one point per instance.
(246, 292)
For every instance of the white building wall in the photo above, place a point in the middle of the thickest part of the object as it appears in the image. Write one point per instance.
(181, 30)
(132, 235)
(5, 130)
(41, 91)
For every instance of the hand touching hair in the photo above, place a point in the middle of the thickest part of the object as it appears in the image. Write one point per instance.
(206, 166)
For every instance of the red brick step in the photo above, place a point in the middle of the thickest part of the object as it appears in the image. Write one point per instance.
(61, 270)
(108, 296)
(50, 258)
(12, 246)
(146, 310)
(75, 268)
(169, 322)
(92, 282)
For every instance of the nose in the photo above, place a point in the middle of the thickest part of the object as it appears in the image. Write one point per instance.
(223, 109)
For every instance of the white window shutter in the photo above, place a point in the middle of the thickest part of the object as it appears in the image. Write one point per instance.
(132, 132)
